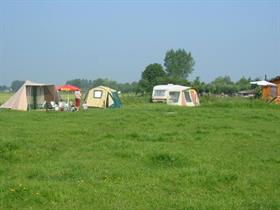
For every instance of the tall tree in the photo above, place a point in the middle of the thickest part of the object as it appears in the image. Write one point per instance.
(179, 63)
(151, 76)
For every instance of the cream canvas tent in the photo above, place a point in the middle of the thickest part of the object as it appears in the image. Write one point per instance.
(102, 97)
(175, 95)
(31, 96)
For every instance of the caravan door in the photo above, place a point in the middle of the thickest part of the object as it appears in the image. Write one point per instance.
(191, 97)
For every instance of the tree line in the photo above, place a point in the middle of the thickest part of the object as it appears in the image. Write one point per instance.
(178, 65)
(221, 85)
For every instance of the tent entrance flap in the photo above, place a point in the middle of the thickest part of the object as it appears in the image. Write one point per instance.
(35, 97)
(116, 99)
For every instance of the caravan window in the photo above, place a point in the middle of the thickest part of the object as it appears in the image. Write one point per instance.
(159, 93)
(187, 96)
(97, 94)
(174, 97)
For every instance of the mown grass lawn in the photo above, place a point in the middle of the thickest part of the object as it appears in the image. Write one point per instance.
(149, 156)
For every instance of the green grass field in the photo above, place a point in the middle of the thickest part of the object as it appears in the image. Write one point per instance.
(221, 155)
(4, 97)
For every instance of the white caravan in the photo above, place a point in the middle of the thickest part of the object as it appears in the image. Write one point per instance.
(175, 95)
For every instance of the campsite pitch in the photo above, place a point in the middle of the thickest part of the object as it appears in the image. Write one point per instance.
(149, 156)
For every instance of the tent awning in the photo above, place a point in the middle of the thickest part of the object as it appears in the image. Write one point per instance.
(262, 83)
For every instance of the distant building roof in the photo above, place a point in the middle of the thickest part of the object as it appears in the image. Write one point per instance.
(247, 92)
(262, 83)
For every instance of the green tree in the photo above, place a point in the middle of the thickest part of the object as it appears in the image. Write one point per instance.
(177, 81)
(151, 76)
(84, 84)
(16, 84)
(223, 85)
(4, 88)
(243, 84)
(179, 63)
(199, 86)
(106, 82)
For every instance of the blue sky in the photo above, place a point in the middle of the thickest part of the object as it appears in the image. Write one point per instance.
(53, 41)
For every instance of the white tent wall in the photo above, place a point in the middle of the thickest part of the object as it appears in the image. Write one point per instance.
(110, 100)
(13, 102)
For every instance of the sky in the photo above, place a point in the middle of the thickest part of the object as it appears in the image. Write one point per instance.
(55, 41)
